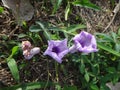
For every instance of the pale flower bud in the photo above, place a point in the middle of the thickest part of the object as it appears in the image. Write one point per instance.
(26, 45)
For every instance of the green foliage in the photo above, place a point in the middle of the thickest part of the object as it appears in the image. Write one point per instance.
(1, 10)
(29, 86)
(102, 46)
(70, 88)
(67, 10)
(48, 30)
(13, 68)
(56, 4)
(13, 65)
(86, 3)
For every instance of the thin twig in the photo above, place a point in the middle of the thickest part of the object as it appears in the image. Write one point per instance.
(115, 11)
(12, 32)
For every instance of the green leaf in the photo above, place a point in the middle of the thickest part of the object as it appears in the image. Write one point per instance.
(117, 47)
(58, 87)
(94, 87)
(87, 4)
(70, 88)
(1, 10)
(29, 86)
(114, 36)
(119, 31)
(46, 33)
(54, 29)
(35, 28)
(22, 35)
(105, 37)
(67, 10)
(73, 28)
(111, 69)
(13, 68)
(86, 76)
(104, 87)
(56, 4)
(108, 49)
(82, 68)
(14, 51)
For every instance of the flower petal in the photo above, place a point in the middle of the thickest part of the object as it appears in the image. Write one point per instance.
(73, 49)
(35, 50)
(54, 56)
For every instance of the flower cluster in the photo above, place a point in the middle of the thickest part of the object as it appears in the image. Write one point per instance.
(83, 42)
(28, 51)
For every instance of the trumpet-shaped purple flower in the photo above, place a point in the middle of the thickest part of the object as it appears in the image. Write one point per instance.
(84, 42)
(57, 49)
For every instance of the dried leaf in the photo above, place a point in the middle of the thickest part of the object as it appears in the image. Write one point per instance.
(22, 9)
(114, 87)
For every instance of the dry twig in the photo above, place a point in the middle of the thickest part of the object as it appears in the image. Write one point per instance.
(115, 11)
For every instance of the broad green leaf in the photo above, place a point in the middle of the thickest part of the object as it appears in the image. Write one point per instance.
(13, 68)
(73, 28)
(70, 88)
(1, 10)
(86, 76)
(82, 68)
(67, 10)
(94, 87)
(14, 50)
(35, 28)
(87, 4)
(108, 49)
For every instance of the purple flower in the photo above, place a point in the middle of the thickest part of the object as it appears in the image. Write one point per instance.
(57, 49)
(84, 42)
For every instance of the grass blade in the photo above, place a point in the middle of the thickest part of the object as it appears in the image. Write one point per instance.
(29, 86)
(106, 48)
(87, 4)
(56, 4)
(73, 28)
